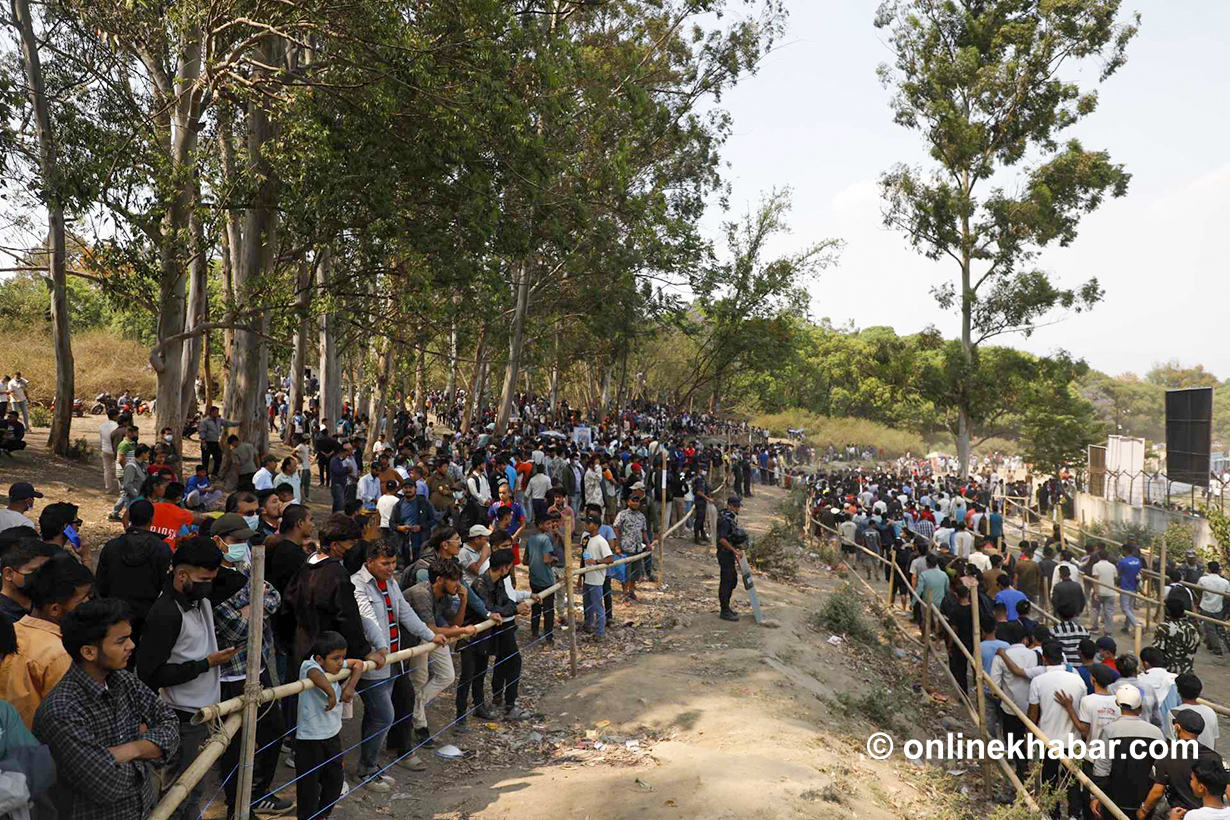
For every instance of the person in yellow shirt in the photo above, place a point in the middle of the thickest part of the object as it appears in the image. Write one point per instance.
(39, 659)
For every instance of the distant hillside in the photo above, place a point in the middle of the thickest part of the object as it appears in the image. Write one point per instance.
(103, 360)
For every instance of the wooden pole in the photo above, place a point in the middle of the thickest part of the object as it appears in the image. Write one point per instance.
(925, 611)
(1161, 587)
(192, 775)
(1137, 637)
(252, 682)
(569, 586)
(981, 695)
(662, 529)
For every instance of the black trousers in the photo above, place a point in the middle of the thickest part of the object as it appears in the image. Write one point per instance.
(1054, 772)
(698, 521)
(729, 579)
(470, 681)
(506, 673)
(319, 786)
(269, 728)
(1014, 728)
(544, 612)
(959, 664)
(401, 736)
(211, 450)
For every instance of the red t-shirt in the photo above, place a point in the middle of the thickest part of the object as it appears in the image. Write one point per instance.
(170, 521)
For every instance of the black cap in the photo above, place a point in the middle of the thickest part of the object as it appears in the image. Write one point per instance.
(735, 500)
(22, 491)
(593, 518)
(1188, 719)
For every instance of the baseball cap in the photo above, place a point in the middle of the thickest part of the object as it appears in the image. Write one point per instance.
(734, 499)
(1128, 696)
(231, 525)
(23, 490)
(1188, 719)
(477, 531)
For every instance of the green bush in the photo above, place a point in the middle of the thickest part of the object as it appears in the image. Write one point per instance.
(877, 706)
(40, 416)
(842, 613)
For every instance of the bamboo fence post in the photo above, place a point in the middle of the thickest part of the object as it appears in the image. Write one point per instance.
(981, 695)
(183, 786)
(1161, 587)
(925, 611)
(252, 683)
(568, 596)
(1137, 637)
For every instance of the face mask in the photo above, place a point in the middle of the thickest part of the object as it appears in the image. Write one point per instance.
(168, 439)
(198, 590)
(237, 553)
(252, 520)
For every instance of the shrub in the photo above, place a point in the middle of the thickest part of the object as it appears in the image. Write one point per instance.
(776, 552)
(842, 613)
(40, 416)
(103, 362)
(825, 430)
(80, 450)
(877, 706)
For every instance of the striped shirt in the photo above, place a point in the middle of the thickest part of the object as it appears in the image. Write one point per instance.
(1070, 634)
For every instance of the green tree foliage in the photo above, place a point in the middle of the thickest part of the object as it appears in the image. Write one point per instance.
(1057, 430)
(980, 81)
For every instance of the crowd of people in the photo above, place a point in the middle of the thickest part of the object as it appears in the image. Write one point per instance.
(112, 649)
(943, 542)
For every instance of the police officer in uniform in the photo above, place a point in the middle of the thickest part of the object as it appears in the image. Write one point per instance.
(728, 554)
(700, 503)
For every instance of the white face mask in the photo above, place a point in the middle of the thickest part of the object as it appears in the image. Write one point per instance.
(252, 520)
(168, 439)
(237, 553)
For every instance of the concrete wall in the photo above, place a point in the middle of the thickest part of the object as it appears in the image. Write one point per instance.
(1090, 508)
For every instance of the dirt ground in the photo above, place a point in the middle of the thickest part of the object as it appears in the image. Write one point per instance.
(678, 714)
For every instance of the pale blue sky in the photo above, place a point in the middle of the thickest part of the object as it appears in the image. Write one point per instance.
(816, 118)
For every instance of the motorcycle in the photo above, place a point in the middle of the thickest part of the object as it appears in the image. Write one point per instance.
(78, 407)
(103, 403)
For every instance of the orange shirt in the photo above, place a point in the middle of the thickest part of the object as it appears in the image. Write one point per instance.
(27, 675)
(169, 521)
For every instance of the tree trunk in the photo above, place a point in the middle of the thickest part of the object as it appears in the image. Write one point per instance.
(198, 314)
(606, 388)
(208, 397)
(62, 420)
(260, 241)
(516, 342)
(450, 389)
(232, 247)
(375, 412)
(555, 376)
(303, 303)
(420, 382)
(179, 118)
(330, 368)
(967, 351)
(472, 394)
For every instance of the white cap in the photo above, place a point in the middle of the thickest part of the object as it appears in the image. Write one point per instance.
(477, 530)
(1128, 695)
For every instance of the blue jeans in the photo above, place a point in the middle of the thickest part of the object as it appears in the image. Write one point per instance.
(339, 496)
(595, 609)
(377, 718)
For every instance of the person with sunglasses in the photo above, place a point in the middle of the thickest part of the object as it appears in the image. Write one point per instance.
(59, 524)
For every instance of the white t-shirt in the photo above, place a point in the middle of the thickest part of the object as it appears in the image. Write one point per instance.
(1098, 711)
(1206, 813)
(104, 435)
(17, 389)
(596, 548)
(1209, 601)
(1105, 572)
(981, 560)
(1053, 719)
(539, 485)
(262, 479)
(10, 519)
(385, 506)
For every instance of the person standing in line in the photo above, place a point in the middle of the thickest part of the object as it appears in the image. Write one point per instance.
(110, 481)
(102, 723)
(1129, 568)
(243, 453)
(595, 550)
(17, 398)
(179, 650)
(1051, 694)
(1103, 594)
(209, 432)
(318, 748)
(728, 556)
(1213, 604)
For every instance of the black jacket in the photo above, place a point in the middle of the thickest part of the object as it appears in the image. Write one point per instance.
(318, 599)
(133, 567)
(162, 627)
